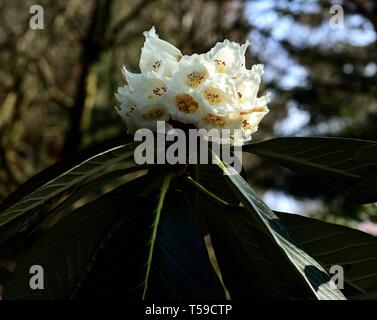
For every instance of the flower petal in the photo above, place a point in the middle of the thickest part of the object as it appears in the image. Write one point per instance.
(193, 71)
(228, 56)
(158, 55)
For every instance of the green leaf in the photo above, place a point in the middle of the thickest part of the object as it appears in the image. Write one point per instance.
(97, 183)
(179, 267)
(251, 265)
(305, 266)
(155, 225)
(31, 227)
(67, 252)
(337, 162)
(59, 168)
(366, 190)
(210, 177)
(103, 250)
(332, 244)
(32, 203)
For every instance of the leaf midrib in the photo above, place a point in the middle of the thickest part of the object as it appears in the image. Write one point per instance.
(14, 209)
(250, 204)
(163, 191)
(274, 155)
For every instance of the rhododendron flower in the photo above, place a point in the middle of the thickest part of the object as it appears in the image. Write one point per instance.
(228, 57)
(211, 90)
(158, 55)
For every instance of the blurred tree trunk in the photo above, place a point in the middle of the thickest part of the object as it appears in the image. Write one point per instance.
(91, 51)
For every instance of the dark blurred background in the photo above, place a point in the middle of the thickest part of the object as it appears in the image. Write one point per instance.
(57, 84)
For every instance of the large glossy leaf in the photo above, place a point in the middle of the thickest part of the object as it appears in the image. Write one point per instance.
(137, 246)
(332, 244)
(67, 252)
(152, 239)
(337, 162)
(179, 266)
(210, 176)
(305, 266)
(251, 266)
(97, 184)
(32, 227)
(35, 201)
(59, 168)
(366, 190)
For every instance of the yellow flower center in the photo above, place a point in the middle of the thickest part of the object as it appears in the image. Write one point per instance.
(220, 65)
(211, 118)
(157, 92)
(185, 103)
(213, 96)
(195, 78)
(155, 112)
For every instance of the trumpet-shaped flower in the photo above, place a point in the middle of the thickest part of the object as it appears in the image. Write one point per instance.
(136, 118)
(228, 57)
(247, 86)
(158, 55)
(193, 71)
(145, 87)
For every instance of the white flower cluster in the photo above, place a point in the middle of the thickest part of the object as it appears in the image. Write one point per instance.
(211, 90)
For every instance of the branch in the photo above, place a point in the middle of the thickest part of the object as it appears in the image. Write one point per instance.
(135, 12)
(4, 164)
(49, 83)
(91, 51)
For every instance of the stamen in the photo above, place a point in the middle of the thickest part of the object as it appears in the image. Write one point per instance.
(212, 97)
(156, 65)
(218, 120)
(185, 103)
(195, 78)
(245, 124)
(220, 65)
(131, 109)
(154, 113)
(159, 91)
